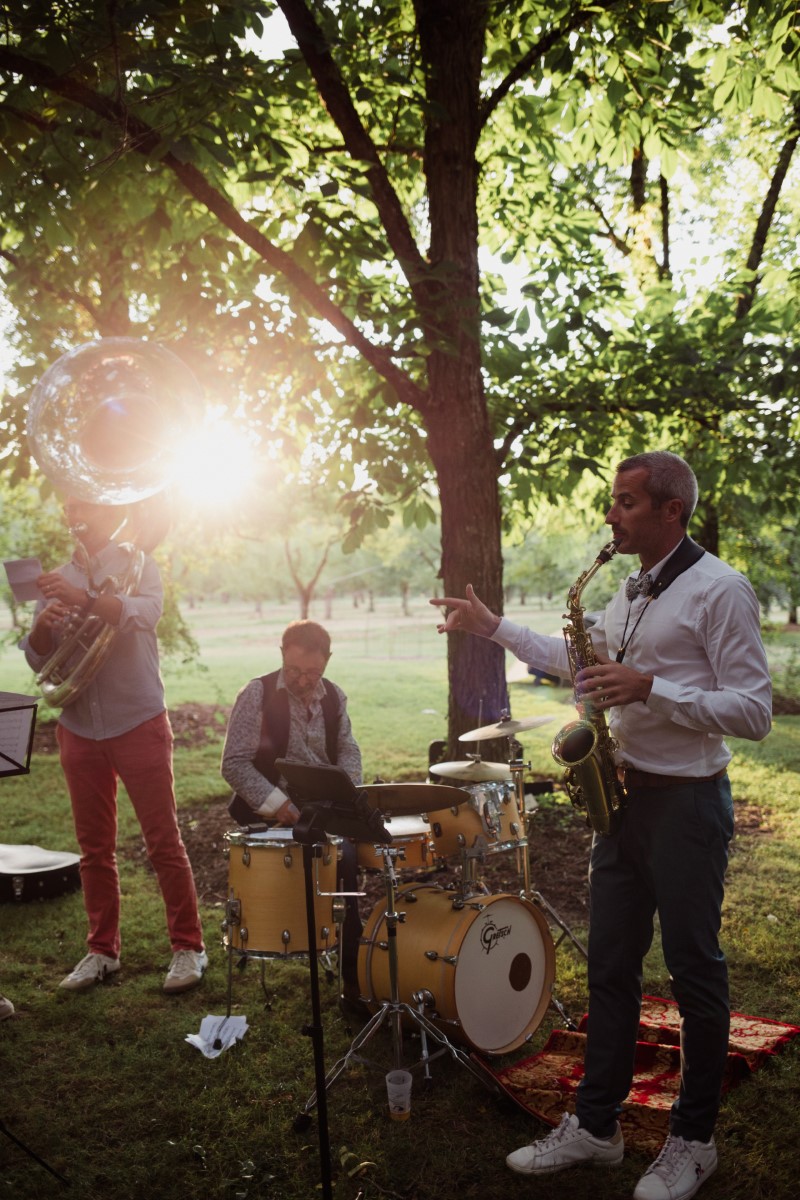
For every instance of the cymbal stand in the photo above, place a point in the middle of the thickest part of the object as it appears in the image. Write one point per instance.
(394, 1010)
(517, 768)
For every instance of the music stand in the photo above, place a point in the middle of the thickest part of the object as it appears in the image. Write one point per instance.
(329, 804)
(17, 721)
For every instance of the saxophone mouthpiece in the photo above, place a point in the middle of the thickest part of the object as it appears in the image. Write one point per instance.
(608, 551)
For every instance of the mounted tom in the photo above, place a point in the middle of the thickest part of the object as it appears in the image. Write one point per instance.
(103, 424)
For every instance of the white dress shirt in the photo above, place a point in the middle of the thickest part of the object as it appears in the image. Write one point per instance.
(701, 642)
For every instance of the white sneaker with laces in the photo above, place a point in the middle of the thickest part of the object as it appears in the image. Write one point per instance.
(185, 970)
(90, 970)
(567, 1146)
(679, 1171)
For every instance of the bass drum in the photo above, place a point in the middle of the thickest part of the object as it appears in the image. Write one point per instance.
(488, 963)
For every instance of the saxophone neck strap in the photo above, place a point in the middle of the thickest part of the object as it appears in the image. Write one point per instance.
(687, 554)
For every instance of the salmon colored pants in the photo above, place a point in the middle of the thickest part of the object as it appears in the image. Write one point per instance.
(142, 759)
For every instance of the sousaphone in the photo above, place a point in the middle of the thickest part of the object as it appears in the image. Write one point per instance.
(103, 424)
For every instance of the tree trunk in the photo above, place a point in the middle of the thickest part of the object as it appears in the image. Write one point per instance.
(460, 442)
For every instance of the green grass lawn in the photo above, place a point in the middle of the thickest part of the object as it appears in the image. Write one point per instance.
(104, 1087)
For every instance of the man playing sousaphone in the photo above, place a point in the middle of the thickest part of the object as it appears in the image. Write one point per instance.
(115, 726)
(679, 665)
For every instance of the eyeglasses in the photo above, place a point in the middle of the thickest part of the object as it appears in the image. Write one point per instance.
(294, 675)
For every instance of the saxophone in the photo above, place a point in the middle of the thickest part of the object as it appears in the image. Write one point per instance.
(585, 748)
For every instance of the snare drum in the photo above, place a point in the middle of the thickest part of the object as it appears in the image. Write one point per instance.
(487, 822)
(266, 911)
(410, 835)
(488, 964)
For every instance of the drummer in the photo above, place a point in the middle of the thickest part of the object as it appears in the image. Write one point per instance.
(293, 713)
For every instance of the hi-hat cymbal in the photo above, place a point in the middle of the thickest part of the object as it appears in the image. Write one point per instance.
(505, 728)
(408, 798)
(472, 772)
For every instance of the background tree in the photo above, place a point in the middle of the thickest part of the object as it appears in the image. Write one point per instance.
(307, 231)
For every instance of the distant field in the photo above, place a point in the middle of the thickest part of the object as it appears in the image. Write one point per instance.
(392, 667)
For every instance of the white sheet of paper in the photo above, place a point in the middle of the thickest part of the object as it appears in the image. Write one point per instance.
(225, 1030)
(22, 575)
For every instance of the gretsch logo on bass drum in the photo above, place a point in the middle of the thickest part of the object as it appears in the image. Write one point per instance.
(492, 934)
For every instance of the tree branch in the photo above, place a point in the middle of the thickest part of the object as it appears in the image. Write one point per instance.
(68, 298)
(143, 139)
(358, 143)
(578, 17)
(745, 301)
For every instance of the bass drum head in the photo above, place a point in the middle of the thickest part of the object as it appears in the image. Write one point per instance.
(505, 973)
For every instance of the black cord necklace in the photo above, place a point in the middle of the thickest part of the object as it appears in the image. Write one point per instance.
(624, 646)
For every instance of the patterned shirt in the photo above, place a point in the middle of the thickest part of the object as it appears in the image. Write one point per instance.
(306, 743)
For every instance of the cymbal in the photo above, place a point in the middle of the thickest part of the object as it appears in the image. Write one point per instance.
(503, 729)
(407, 798)
(472, 772)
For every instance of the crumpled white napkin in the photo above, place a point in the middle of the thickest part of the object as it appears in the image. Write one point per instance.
(217, 1034)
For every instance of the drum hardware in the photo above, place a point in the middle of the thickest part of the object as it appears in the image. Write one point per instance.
(395, 1010)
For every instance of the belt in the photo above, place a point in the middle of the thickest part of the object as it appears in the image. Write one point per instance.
(632, 777)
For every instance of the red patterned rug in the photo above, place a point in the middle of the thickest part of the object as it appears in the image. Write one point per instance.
(545, 1083)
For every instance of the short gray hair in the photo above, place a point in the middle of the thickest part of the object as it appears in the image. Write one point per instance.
(669, 477)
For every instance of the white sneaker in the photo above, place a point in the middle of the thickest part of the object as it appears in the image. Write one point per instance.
(567, 1146)
(89, 971)
(679, 1171)
(185, 970)
(6, 1008)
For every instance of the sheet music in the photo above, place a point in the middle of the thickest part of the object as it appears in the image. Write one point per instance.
(22, 574)
(17, 713)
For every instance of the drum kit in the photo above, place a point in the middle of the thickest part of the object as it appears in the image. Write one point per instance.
(466, 966)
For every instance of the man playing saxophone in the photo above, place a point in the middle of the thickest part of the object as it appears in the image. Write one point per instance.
(679, 665)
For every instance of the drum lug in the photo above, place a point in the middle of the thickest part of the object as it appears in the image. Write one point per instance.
(246, 857)
(325, 934)
(338, 909)
(286, 937)
(287, 861)
(233, 912)
(243, 934)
